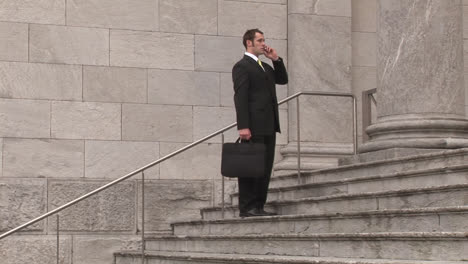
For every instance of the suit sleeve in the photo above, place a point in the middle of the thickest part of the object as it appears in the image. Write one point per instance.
(281, 75)
(240, 79)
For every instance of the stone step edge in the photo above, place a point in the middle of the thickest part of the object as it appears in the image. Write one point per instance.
(409, 174)
(427, 156)
(387, 236)
(389, 212)
(245, 258)
(444, 188)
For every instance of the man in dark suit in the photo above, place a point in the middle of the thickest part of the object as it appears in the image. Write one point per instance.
(257, 114)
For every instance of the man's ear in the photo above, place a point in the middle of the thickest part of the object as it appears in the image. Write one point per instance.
(249, 43)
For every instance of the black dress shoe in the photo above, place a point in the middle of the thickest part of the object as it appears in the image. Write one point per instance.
(266, 213)
(252, 212)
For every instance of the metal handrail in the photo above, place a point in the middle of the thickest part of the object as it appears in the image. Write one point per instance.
(367, 96)
(142, 169)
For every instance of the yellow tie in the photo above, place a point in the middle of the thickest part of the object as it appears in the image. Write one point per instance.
(260, 63)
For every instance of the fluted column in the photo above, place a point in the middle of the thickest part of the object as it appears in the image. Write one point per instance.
(420, 94)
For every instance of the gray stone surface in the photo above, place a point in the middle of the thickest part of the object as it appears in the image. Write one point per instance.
(24, 118)
(33, 11)
(207, 120)
(99, 249)
(271, 18)
(21, 200)
(230, 186)
(216, 53)
(122, 14)
(364, 49)
(40, 81)
(183, 87)
(168, 201)
(43, 158)
(157, 123)
(200, 162)
(34, 249)
(114, 84)
(321, 60)
(1, 157)
(112, 210)
(86, 120)
(364, 18)
(13, 41)
(321, 7)
(70, 45)
(114, 159)
(410, 58)
(151, 50)
(193, 16)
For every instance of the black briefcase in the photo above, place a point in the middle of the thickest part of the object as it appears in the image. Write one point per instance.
(243, 160)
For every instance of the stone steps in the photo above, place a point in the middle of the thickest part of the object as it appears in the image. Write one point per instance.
(441, 196)
(412, 246)
(393, 181)
(169, 257)
(450, 219)
(433, 160)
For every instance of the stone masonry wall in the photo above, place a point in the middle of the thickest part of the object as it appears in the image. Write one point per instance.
(91, 90)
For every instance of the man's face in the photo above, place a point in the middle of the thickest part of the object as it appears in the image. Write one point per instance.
(257, 46)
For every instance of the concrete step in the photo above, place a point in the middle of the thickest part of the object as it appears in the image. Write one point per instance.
(393, 181)
(431, 160)
(453, 219)
(170, 257)
(412, 246)
(442, 196)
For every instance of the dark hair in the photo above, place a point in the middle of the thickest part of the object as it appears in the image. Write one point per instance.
(250, 35)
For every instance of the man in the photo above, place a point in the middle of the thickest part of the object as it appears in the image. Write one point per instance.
(257, 114)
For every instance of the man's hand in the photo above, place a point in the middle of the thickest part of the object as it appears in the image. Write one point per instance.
(245, 134)
(270, 53)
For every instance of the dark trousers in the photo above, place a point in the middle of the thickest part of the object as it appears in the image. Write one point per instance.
(253, 191)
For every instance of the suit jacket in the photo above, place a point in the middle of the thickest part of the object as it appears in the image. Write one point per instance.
(255, 95)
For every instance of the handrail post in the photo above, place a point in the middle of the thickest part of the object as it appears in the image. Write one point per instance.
(222, 183)
(58, 238)
(143, 217)
(298, 142)
(355, 127)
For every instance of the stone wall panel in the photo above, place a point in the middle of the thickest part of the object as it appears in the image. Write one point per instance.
(168, 201)
(40, 81)
(364, 15)
(364, 49)
(69, 45)
(100, 249)
(24, 118)
(112, 210)
(321, 8)
(114, 159)
(151, 50)
(200, 162)
(189, 16)
(217, 53)
(114, 84)
(157, 123)
(43, 158)
(270, 18)
(13, 41)
(207, 120)
(76, 120)
(37, 250)
(21, 200)
(33, 11)
(183, 87)
(122, 14)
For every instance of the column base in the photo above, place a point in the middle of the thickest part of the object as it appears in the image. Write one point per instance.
(314, 156)
(418, 133)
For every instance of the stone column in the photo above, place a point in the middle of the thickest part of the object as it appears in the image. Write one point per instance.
(319, 59)
(420, 94)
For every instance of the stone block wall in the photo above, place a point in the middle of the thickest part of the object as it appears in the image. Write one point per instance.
(92, 90)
